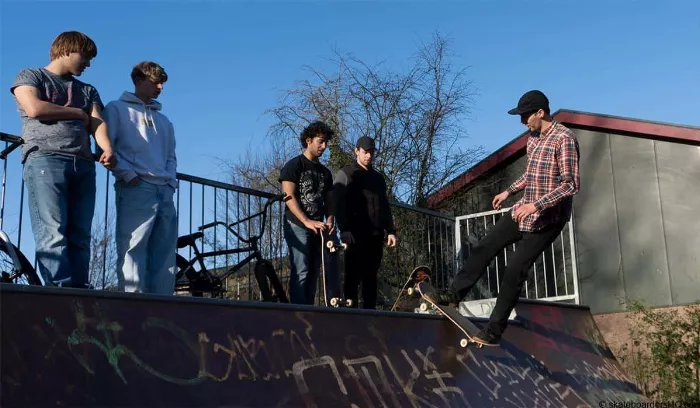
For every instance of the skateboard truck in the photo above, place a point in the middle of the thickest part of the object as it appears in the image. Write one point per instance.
(332, 246)
(418, 274)
(336, 302)
(462, 323)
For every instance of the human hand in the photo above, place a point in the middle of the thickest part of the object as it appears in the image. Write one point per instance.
(108, 159)
(499, 199)
(523, 211)
(315, 226)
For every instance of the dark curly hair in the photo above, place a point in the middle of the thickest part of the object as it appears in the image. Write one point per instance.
(314, 129)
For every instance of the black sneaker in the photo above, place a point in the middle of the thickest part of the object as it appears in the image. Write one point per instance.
(486, 337)
(448, 299)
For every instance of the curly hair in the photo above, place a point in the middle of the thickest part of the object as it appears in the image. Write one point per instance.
(314, 129)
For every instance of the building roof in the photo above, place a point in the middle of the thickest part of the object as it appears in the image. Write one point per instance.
(576, 120)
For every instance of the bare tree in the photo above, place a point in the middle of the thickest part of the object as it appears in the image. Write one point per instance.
(103, 253)
(416, 117)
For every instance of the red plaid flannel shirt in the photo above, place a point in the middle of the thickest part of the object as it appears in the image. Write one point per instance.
(551, 178)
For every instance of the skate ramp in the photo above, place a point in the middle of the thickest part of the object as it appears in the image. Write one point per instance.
(71, 348)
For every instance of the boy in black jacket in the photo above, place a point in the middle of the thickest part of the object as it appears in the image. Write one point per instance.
(363, 216)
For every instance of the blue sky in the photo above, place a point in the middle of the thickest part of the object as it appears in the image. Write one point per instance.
(229, 60)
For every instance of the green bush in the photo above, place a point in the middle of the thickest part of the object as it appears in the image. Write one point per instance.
(663, 356)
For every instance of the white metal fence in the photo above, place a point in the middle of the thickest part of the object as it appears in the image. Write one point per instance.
(553, 277)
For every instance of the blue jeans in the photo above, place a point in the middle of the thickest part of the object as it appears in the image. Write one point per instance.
(61, 199)
(146, 236)
(305, 262)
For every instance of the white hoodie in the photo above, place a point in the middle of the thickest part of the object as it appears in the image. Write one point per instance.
(143, 140)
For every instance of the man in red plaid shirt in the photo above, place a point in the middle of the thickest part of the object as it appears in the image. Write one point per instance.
(551, 179)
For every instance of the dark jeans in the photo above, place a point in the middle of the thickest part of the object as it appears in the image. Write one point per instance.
(61, 198)
(362, 261)
(305, 258)
(504, 233)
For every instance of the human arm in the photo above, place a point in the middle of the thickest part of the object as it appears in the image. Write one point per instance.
(98, 127)
(171, 162)
(388, 220)
(517, 185)
(521, 182)
(567, 157)
(29, 99)
(293, 204)
(123, 170)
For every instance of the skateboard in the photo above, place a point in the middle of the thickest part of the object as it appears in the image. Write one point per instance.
(330, 245)
(419, 274)
(427, 291)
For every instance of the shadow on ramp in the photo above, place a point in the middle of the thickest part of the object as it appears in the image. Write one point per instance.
(65, 347)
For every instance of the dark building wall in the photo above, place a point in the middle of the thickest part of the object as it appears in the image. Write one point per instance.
(478, 195)
(635, 223)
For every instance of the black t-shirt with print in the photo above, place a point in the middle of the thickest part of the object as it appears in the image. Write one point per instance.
(312, 181)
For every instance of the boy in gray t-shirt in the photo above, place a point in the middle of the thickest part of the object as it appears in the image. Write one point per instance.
(58, 115)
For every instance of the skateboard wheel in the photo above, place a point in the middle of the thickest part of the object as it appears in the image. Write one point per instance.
(348, 302)
(463, 343)
(344, 245)
(329, 244)
(334, 302)
(423, 307)
(410, 291)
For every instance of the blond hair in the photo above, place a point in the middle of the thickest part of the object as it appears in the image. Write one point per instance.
(72, 41)
(149, 70)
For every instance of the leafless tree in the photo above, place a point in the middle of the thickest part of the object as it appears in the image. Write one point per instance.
(103, 252)
(416, 116)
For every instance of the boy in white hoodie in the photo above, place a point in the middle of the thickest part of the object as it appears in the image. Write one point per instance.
(144, 142)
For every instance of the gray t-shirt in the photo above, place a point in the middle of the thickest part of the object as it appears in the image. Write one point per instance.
(69, 137)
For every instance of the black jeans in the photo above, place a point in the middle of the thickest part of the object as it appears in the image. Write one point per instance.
(362, 261)
(504, 233)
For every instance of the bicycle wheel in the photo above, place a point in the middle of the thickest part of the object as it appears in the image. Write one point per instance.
(23, 274)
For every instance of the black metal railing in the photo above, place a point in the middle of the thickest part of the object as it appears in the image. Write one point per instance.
(425, 237)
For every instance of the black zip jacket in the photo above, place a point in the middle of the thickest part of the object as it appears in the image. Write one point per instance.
(360, 202)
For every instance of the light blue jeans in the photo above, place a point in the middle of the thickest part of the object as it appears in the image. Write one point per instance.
(305, 263)
(61, 199)
(146, 236)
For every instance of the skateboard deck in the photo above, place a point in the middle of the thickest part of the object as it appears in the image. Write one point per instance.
(427, 291)
(419, 274)
(330, 245)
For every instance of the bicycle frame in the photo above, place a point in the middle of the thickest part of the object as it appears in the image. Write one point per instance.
(252, 242)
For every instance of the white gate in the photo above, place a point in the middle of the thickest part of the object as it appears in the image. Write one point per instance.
(553, 276)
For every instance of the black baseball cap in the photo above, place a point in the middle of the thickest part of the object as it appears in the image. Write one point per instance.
(531, 101)
(366, 143)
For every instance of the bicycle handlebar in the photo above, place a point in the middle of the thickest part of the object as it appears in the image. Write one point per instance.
(211, 224)
(229, 227)
(15, 142)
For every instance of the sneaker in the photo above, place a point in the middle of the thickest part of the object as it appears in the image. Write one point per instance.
(485, 336)
(447, 299)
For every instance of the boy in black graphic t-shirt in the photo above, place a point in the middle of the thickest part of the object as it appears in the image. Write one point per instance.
(308, 183)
